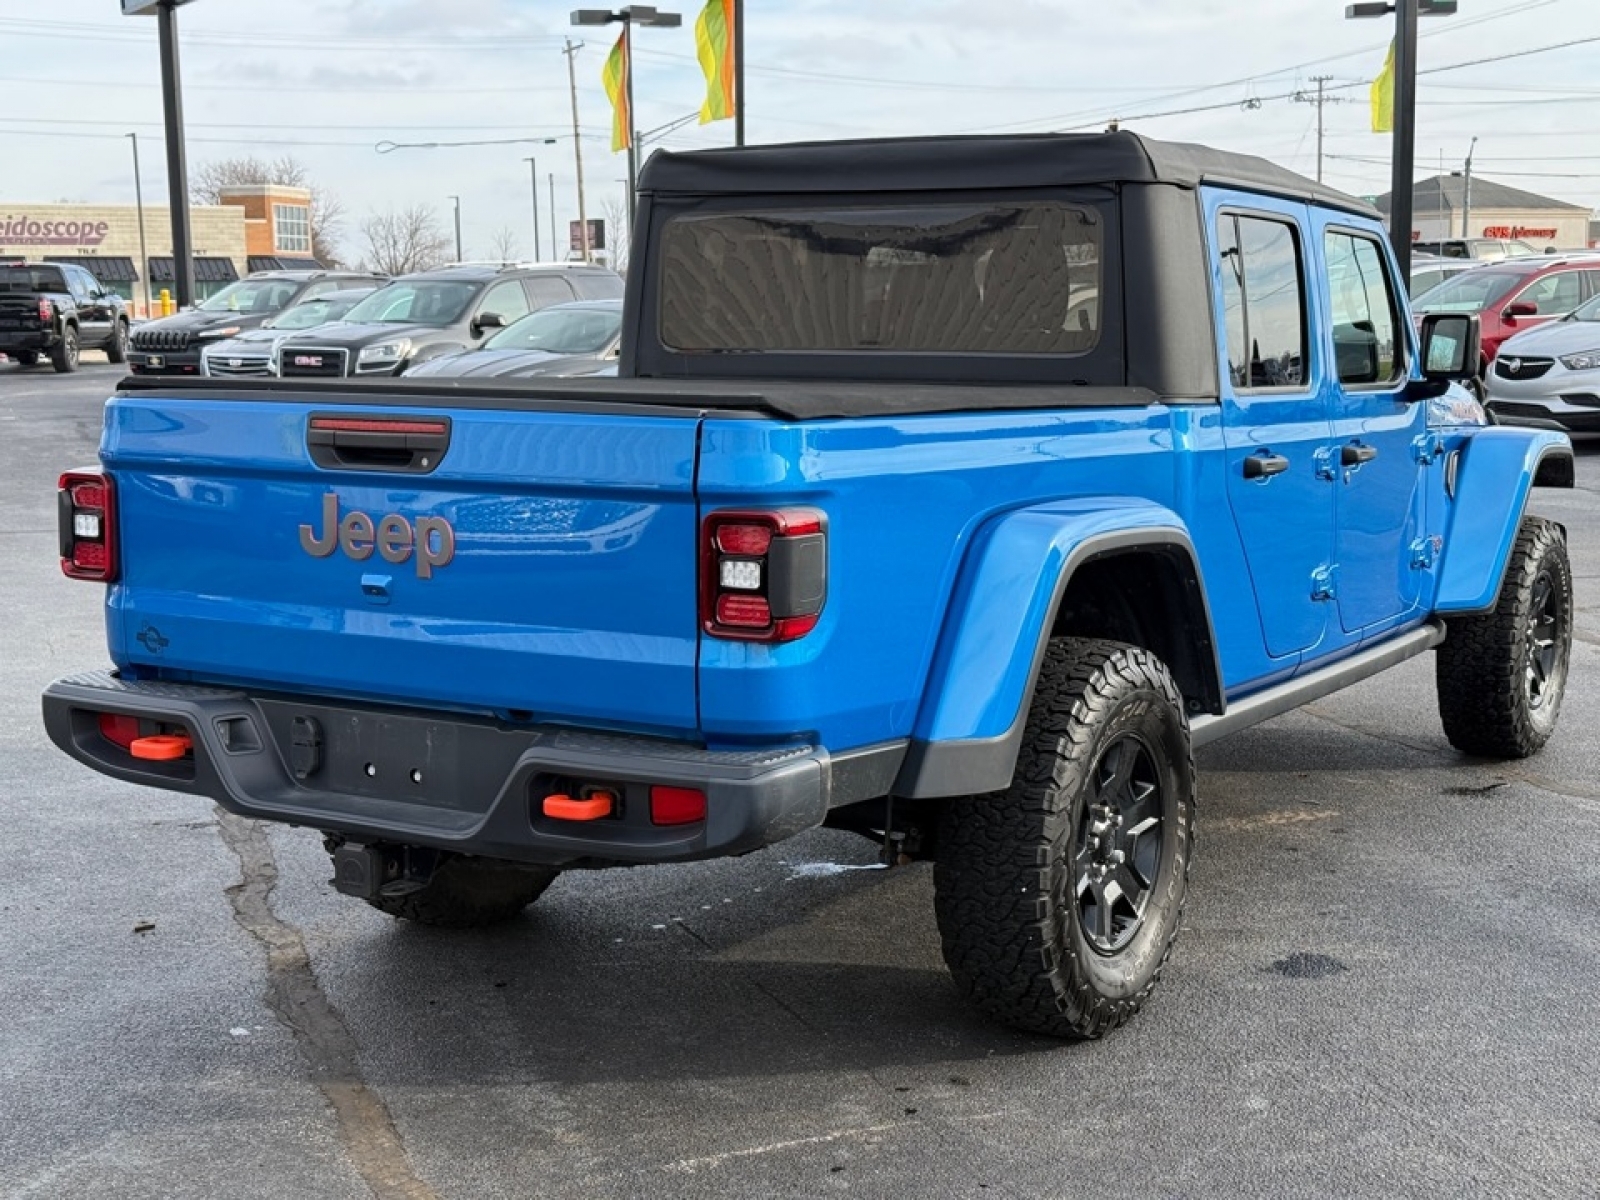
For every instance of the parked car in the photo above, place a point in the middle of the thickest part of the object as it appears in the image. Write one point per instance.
(1429, 271)
(172, 345)
(421, 316)
(1479, 249)
(565, 339)
(251, 352)
(1551, 374)
(56, 311)
(1514, 295)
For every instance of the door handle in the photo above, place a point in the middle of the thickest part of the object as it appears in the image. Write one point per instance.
(1353, 454)
(1263, 463)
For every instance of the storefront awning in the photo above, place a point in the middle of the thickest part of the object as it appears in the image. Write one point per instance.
(279, 262)
(206, 270)
(107, 268)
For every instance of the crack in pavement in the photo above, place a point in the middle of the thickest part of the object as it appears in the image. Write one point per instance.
(365, 1127)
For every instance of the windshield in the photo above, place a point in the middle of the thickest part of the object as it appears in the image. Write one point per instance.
(1468, 291)
(423, 302)
(252, 296)
(561, 331)
(1589, 310)
(311, 314)
(31, 279)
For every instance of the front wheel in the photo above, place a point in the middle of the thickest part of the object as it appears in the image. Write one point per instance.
(65, 356)
(466, 892)
(1058, 900)
(1502, 675)
(117, 347)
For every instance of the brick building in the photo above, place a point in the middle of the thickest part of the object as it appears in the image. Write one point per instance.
(254, 228)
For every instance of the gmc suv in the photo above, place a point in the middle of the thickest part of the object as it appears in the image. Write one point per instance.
(172, 345)
(58, 310)
(420, 316)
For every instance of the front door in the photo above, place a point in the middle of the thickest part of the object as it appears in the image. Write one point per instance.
(1275, 418)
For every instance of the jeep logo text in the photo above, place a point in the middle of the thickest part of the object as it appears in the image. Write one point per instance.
(395, 539)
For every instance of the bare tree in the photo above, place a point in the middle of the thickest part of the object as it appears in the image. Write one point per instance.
(503, 246)
(616, 214)
(407, 239)
(208, 182)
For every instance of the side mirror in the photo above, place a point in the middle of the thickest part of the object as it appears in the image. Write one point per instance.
(489, 320)
(1450, 346)
(1520, 308)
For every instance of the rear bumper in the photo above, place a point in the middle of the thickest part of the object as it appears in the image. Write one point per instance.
(454, 782)
(41, 342)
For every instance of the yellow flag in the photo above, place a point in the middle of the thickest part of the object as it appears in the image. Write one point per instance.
(615, 77)
(1383, 96)
(713, 41)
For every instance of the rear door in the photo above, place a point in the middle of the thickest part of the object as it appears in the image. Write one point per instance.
(1275, 417)
(537, 564)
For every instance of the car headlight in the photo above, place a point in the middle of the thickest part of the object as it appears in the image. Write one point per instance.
(384, 354)
(225, 331)
(1583, 360)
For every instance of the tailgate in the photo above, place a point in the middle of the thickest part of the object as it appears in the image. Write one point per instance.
(542, 566)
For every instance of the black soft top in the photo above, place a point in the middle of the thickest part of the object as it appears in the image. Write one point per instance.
(946, 163)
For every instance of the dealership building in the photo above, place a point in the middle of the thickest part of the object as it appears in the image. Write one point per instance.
(255, 228)
(1448, 206)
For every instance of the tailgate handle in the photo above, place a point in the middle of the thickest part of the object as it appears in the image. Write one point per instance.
(407, 445)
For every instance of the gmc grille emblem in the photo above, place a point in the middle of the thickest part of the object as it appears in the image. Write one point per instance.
(308, 360)
(395, 539)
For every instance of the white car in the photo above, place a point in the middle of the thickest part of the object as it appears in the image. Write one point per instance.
(251, 352)
(1551, 374)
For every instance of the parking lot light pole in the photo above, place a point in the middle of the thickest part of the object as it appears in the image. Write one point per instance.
(1405, 109)
(533, 175)
(138, 199)
(457, 200)
(635, 14)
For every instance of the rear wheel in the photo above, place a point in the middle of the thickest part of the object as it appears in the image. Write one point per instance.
(1502, 675)
(1058, 900)
(117, 347)
(65, 356)
(466, 892)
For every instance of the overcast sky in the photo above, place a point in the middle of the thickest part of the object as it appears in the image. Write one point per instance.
(326, 80)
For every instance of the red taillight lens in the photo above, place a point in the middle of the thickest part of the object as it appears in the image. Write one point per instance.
(677, 805)
(763, 574)
(87, 519)
(47, 310)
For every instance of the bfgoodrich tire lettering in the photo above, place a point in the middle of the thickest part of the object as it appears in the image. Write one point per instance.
(466, 892)
(1059, 899)
(1502, 675)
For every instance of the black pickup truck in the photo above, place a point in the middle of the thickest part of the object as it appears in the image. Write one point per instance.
(57, 310)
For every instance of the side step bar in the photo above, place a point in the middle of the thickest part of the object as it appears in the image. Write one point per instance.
(1275, 701)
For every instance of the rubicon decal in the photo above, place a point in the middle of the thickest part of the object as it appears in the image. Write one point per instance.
(395, 539)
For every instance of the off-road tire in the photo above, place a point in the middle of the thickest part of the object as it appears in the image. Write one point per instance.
(1502, 675)
(65, 355)
(467, 892)
(117, 347)
(26, 358)
(1013, 881)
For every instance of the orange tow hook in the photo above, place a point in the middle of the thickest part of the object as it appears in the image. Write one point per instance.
(161, 747)
(590, 808)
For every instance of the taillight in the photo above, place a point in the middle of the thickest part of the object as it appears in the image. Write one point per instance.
(47, 310)
(763, 575)
(87, 515)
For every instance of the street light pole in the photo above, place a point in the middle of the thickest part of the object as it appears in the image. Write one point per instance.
(1466, 190)
(533, 176)
(554, 253)
(144, 253)
(1405, 110)
(177, 166)
(457, 199)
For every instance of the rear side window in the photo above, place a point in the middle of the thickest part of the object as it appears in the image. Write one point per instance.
(1366, 346)
(1003, 278)
(1264, 306)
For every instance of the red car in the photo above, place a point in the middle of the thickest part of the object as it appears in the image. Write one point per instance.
(1516, 294)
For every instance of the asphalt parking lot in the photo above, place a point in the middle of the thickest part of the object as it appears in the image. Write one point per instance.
(1385, 985)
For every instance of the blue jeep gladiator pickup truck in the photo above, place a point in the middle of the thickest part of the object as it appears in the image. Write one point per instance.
(951, 491)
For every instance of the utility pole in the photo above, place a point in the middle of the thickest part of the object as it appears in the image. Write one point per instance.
(1466, 191)
(577, 146)
(1320, 99)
